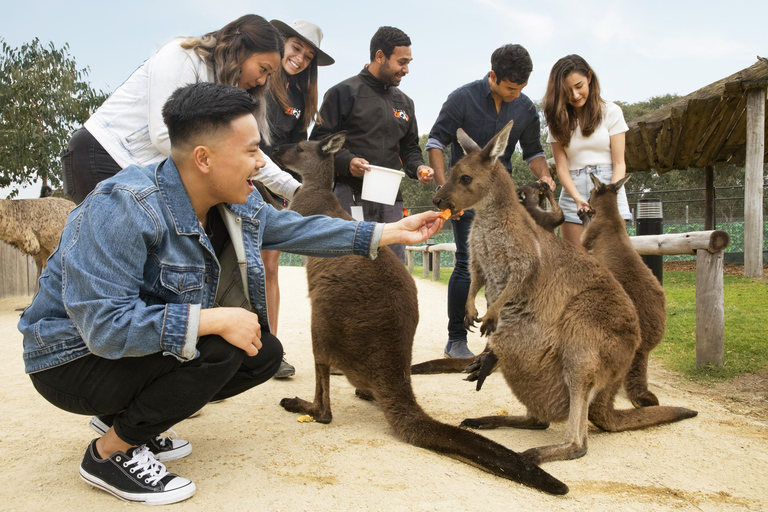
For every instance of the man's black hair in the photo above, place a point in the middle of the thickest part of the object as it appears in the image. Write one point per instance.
(386, 38)
(204, 108)
(511, 62)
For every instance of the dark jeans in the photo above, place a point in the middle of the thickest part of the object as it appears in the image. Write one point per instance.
(458, 284)
(148, 395)
(84, 164)
(372, 212)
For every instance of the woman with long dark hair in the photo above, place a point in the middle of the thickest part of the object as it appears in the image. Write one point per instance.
(128, 128)
(587, 137)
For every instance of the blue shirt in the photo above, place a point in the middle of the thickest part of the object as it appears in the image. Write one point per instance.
(472, 108)
(134, 267)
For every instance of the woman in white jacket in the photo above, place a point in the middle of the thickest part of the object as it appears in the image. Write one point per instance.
(128, 128)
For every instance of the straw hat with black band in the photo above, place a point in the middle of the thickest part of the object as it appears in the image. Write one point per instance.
(307, 32)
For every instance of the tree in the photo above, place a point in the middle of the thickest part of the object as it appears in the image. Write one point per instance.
(43, 99)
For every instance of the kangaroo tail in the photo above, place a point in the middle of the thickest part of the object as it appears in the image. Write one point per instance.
(417, 428)
(446, 365)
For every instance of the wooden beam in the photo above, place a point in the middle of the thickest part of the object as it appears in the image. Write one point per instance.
(753, 189)
(681, 243)
(709, 198)
(710, 309)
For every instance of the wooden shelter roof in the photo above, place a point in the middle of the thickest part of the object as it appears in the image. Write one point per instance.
(706, 127)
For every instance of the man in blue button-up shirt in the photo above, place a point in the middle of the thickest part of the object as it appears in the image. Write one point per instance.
(482, 108)
(153, 303)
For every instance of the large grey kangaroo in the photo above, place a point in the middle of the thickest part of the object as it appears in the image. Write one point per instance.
(564, 330)
(607, 238)
(364, 317)
(534, 198)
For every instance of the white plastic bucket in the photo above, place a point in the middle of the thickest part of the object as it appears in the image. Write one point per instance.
(381, 184)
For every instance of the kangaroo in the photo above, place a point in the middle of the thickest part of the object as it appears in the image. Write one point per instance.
(609, 242)
(533, 197)
(562, 327)
(364, 317)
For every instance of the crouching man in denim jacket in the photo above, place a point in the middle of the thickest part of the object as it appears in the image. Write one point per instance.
(153, 304)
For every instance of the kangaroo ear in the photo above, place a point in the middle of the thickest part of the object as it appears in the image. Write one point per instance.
(599, 186)
(498, 144)
(617, 186)
(333, 143)
(467, 144)
(521, 195)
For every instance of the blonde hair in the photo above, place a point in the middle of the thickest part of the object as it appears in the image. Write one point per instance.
(226, 49)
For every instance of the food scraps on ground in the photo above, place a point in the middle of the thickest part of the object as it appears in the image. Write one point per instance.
(306, 419)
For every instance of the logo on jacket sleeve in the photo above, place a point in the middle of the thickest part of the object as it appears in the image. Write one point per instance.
(400, 114)
(295, 112)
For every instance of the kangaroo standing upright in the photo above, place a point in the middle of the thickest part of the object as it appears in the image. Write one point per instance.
(364, 317)
(607, 238)
(563, 329)
(533, 197)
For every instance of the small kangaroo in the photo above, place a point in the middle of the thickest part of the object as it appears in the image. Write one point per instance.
(533, 197)
(364, 317)
(609, 242)
(562, 327)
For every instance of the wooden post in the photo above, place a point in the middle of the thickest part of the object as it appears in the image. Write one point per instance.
(710, 310)
(435, 265)
(709, 200)
(753, 171)
(409, 260)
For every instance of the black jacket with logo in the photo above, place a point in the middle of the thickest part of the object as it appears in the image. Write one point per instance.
(380, 125)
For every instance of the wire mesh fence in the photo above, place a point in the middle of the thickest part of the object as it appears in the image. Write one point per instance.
(683, 212)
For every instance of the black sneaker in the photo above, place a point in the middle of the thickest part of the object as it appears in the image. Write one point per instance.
(165, 447)
(134, 476)
(286, 370)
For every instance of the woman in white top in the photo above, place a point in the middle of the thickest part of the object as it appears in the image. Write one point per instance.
(587, 137)
(128, 127)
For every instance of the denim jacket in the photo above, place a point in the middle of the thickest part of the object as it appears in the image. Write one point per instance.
(134, 268)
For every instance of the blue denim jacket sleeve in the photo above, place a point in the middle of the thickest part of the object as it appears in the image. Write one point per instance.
(319, 235)
(101, 283)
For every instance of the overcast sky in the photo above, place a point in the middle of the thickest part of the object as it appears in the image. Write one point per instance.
(638, 49)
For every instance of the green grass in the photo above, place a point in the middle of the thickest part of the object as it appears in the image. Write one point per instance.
(746, 326)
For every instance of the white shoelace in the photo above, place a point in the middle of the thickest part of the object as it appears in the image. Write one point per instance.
(145, 462)
(168, 433)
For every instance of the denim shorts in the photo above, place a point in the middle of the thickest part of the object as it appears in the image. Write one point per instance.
(584, 185)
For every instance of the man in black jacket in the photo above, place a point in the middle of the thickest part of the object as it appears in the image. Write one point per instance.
(381, 127)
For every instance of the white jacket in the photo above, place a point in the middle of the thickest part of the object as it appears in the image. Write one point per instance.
(129, 124)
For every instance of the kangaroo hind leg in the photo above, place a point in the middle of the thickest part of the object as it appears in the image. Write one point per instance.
(320, 409)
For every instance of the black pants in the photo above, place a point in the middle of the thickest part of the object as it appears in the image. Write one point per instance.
(84, 164)
(148, 395)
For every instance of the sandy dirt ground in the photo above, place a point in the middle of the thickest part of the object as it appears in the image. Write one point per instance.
(251, 455)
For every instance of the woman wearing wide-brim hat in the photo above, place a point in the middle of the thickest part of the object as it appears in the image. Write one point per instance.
(292, 107)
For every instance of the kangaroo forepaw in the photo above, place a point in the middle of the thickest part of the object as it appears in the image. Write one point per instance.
(469, 322)
(488, 326)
